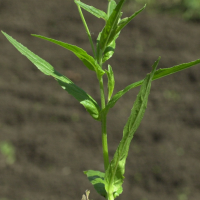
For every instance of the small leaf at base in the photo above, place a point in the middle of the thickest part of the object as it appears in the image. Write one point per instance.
(97, 180)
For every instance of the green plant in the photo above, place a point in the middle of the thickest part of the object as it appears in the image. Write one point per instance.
(108, 183)
(8, 151)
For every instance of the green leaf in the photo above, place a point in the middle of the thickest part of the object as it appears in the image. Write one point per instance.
(98, 49)
(97, 180)
(110, 49)
(167, 71)
(158, 74)
(116, 169)
(112, 6)
(94, 11)
(86, 100)
(126, 20)
(122, 23)
(88, 60)
(111, 81)
(110, 26)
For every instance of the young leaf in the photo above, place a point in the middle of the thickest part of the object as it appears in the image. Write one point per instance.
(114, 174)
(126, 20)
(88, 60)
(158, 74)
(98, 49)
(110, 49)
(111, 81)
(86, 100)
(111, 25)
(112, 6)
(94, 11)
(122, 23)
(97, 180)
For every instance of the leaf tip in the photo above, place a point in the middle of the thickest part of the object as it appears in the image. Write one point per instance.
(3, 32)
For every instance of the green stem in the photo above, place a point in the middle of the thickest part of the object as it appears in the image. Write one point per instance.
(103, 127)
(87, 30)
(110, 197)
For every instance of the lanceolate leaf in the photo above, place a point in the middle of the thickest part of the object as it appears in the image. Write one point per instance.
(86, 100)
(114, 174)
(97, 180)
(122, 23)
(110, 26)
(167, 71)
(126, 20)
(158, 74)
(88, 60)
(94, 11)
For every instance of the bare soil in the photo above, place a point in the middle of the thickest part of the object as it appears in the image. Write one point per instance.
(56, 139)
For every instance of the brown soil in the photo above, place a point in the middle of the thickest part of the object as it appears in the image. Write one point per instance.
(56, 139)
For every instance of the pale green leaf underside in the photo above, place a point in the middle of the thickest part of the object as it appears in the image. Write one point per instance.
(94, 11)
(113, 5)
(158, 74)
(86, 100)
(111, 81)
(88, 60)
(116, 169)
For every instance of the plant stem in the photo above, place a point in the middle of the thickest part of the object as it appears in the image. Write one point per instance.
(110, 197)
(103, 127)
(87, 30)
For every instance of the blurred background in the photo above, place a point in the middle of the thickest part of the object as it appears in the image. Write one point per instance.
(186, 9)
(47, 139)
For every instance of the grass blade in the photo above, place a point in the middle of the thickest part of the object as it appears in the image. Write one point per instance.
(86, 100)
(114, 174)
(88, 60)
(94, 11)
(158, 74)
